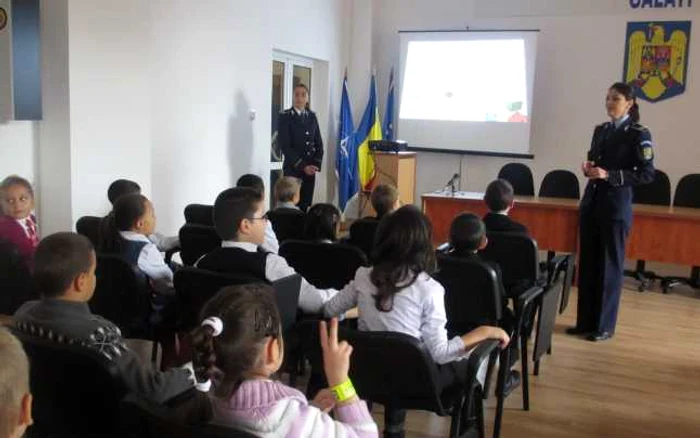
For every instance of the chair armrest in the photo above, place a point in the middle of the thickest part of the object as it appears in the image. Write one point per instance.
(443, 248)
(170, 253)
(524, 303)
(555, 266)
(481, 353)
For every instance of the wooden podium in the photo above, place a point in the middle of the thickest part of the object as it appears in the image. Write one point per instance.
(397, 169)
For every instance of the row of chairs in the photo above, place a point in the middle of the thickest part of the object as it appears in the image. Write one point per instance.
(658, 192)
(564, 184)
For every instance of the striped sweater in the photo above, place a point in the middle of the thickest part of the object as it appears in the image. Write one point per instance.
(271, 409)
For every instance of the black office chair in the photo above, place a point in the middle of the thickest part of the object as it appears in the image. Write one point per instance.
(362, 233)
(287, 223)
(194, 287)
(89, 226)
(15, 278)
(548, 306)
(380, 374)
(197, 241)
(76, 388)
(325, 265)
(122, 295)
(147, 420)
(199, 214)
(473, 298)
(560, 184)
(472, 294)
(658, 192)
(520, 177)
(517, 256)
(687, 196)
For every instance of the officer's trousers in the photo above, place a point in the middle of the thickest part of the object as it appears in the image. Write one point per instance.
(601, 271)
(306, 194)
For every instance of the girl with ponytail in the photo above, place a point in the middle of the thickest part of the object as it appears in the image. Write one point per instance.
(239, 347)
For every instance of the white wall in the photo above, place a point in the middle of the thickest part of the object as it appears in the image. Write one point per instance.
(579, 56)
(54, 156)
(213, 64)
(17, 143)
(109, 99)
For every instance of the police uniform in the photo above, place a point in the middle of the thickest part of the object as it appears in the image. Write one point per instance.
(299, 138)
(624, 149)
(71, 322)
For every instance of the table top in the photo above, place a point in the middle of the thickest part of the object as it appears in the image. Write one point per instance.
(573, 204)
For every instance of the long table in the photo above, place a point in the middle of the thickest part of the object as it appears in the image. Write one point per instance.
(661, 234)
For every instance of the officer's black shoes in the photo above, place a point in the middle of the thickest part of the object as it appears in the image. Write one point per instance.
(598, 337)
(575, 331)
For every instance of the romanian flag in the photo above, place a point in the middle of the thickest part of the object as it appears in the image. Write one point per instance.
(370, 128)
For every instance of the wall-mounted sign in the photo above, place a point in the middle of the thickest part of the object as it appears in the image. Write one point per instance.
(656, 58)
(640, 4)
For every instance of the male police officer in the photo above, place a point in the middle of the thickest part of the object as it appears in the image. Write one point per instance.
(300, 140)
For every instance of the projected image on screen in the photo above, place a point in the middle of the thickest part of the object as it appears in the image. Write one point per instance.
(471, 81)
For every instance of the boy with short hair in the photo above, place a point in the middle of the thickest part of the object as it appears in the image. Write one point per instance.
(123, 187)
(64, 272)
(15, 398)
(287, 192)
(385, 199)
(500, 198)
(467, 238)
(241, 224)
(254, 182)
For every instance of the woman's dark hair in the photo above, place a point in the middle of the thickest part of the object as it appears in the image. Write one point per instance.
(403, 249)
(128, 209)
(321, 222)
(249, 315)
(628, 92)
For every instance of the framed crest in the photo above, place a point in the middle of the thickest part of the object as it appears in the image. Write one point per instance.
(656, 58)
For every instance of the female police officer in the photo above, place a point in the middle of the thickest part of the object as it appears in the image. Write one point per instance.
(621, 156)
(299, 138)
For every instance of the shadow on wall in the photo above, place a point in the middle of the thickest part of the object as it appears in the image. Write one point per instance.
(240, 139)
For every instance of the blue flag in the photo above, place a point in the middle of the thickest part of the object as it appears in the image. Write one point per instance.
(388, 127)
(346, 154)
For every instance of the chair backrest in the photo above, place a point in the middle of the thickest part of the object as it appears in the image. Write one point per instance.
(325, 265)
(121, 294)
(76, 389)
(287, 223)
(287, 298)
(520, 177)
(560, 184)
(517, 256)
(149, 420)
(658, 192)
(362, 233)
(472, 293)
(194, 287)
(16, 281)
(549, 306)
(196, 241)
(688, 191)
(89, 226)
(199, 214)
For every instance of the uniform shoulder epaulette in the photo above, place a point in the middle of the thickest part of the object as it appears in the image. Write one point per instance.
(639, 127)
(602, 125)
(287, 111)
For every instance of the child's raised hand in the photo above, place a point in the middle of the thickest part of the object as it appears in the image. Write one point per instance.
(336, 355)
